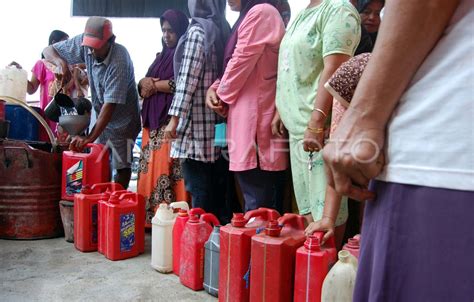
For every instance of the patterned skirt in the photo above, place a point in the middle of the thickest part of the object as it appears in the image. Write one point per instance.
(160, 178)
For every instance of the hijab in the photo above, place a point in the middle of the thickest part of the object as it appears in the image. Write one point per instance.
(367, 39)
(155, 108)
(210, 15)
(232, 42)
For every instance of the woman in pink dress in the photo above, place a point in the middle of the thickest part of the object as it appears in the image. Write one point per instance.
(42, 76)
(246, 94)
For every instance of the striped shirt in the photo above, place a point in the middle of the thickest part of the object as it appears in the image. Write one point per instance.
(195, 131)
(111, 81)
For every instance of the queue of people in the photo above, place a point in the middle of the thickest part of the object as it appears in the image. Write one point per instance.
(264, 87)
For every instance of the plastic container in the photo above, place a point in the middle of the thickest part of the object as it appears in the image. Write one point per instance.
(178, 229)
(235, 241)
(102, 205)
(211, 263)
(195, 235)
(14, 82)
(273, 259)
(124, 226)
(353, 246)
(23, 125)
(339, 283)
(86, 218)
(84, 168)
(313, 262)
(162, 236)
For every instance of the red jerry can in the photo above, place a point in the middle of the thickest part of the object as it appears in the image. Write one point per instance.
(313, 262)
(124, 226)
(195, 234)
(178, 229)
(353, 246)
(84, 168)
(102, 214)
(273, 259)
(86, 214)
(234, 262)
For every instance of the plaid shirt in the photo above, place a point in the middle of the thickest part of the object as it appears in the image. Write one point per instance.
(195, 132)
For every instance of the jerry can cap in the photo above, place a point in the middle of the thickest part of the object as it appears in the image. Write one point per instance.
(312, 243)
(193, 219)
(273, 229)
(182, 213)
(238, 220)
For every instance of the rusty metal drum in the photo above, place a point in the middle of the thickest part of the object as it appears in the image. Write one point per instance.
(30, 190)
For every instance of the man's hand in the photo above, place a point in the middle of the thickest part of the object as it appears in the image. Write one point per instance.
(354, 156)
(78, 143)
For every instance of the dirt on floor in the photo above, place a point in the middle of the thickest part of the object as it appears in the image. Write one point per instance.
(53, 270)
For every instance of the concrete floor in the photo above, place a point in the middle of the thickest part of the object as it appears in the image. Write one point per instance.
(53, 270)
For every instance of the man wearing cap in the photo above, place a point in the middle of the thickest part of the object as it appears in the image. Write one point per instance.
(113, 90)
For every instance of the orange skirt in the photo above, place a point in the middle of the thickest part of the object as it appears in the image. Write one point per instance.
(160, 178)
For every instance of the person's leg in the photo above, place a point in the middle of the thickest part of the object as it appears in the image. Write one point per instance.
(122, 154)
(279, 186)
(198, 180)
(258, 187)
(300, 175)
(221, 196)
(123, 176)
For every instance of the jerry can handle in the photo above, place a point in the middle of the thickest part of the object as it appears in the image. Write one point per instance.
(137, 196)
(266, 213)
(196, 211)
(179, 205)
(210, 218)
(107, 186)
(294, 220)
(95, 148)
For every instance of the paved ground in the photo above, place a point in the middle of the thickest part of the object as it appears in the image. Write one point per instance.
(53, 270)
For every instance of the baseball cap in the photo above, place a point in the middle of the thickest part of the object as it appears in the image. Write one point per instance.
(97, 32)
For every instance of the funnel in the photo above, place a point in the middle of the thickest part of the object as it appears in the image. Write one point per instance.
(53, 110)
(74, 124)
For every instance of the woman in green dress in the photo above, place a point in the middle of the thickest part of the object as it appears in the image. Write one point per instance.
(320, 39)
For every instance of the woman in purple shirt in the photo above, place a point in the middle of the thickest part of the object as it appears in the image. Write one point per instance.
(160, 178)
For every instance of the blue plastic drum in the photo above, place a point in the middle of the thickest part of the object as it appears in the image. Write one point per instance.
(23, 125)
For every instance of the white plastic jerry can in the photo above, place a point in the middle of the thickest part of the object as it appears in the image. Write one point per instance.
(162, 236)
(338, 286)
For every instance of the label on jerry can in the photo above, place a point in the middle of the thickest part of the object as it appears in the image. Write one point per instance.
(74, 177)
(127, 232)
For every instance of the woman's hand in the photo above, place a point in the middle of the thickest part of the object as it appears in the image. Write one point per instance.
(147, 87)
(13, 63)
(313, 140)
(213, 102)
(325, 225)
(278, 128)
(170, 130)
